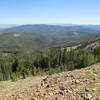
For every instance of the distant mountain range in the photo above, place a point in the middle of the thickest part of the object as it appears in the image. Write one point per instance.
(55, 29)
(95, 27)
(41, 35)
(6, 26)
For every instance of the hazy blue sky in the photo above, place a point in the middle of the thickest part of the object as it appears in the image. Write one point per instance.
(49, 11)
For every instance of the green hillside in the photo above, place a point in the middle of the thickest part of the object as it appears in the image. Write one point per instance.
(22, 41)
(17, 40)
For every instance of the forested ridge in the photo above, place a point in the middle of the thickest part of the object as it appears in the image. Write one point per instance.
(18, 64)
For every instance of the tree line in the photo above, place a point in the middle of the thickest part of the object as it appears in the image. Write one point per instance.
(49, 61)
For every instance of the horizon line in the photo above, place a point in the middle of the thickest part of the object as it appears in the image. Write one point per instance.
(49, 24)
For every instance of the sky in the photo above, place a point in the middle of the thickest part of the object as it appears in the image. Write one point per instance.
(49, 11)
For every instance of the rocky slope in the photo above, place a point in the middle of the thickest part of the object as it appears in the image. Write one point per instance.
(82, 84)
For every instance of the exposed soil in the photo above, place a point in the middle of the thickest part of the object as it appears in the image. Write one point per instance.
(82, 84)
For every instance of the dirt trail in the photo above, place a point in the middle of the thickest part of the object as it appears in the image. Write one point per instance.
(83, 84)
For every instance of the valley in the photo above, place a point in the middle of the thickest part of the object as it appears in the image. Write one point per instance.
(49, 63)
(43, 36)
(49, 49)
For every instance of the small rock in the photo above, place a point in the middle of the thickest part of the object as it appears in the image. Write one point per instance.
(52, 85)
(94, 89)
(50, 93)
(47, 86)
(89, 96)
(62, 88)
(87, 89)
(61, 93)
(91, 72)
(56, 98)
(77, 81)
(94, 78)
(68, 91)
(34, 98)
